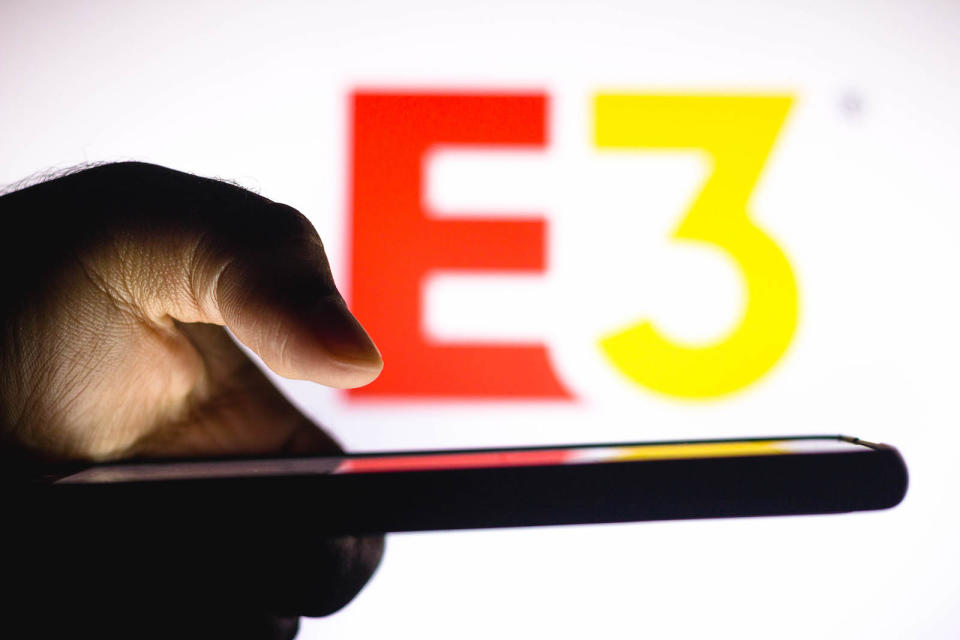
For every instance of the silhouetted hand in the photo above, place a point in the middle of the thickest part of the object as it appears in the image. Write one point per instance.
(118, 282)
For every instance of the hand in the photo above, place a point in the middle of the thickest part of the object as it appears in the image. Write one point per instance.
(118, 282)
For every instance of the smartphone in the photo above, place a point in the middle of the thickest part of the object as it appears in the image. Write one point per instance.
(468, 489)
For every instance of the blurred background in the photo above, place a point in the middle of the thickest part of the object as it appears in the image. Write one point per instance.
(616, 123)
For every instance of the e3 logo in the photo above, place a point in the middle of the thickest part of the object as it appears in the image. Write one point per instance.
(396, 242)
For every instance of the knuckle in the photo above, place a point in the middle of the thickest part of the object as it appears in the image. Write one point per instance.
(291, 226)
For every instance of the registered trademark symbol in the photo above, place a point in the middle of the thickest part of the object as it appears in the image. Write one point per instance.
(851, 104)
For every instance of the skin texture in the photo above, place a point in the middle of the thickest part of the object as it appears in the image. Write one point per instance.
(120, 283)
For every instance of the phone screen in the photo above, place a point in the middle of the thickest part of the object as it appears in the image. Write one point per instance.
(450, 460)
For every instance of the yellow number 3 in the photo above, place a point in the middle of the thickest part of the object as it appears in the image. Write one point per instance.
(737, 132)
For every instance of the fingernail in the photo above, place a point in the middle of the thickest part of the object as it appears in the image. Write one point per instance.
(343, 337)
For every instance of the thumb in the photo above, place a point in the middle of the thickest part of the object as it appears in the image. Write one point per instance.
(226, 256)
(282, 305)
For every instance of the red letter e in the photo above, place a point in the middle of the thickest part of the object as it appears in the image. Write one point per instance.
(395, 242)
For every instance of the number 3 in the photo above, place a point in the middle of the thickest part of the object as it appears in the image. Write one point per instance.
(737, 132)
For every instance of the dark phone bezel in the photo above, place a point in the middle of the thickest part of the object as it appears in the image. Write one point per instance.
(472, 498)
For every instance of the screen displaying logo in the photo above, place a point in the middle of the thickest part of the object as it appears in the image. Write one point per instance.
(398, 240)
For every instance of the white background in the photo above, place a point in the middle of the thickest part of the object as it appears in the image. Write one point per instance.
(860, 192)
